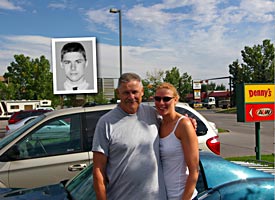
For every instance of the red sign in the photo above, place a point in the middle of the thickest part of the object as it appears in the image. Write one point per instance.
(259, 112)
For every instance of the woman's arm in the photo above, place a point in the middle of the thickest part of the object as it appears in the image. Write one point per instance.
(189, 141)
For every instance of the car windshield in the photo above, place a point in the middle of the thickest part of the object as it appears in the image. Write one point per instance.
(80, 186)
(6, 140)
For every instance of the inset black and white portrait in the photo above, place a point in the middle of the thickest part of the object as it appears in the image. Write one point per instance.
(74, 65)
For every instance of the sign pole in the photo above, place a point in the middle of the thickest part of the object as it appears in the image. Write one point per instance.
(258, 145)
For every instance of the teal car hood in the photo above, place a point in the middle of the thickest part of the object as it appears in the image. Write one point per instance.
(230, 171)
(52, 192)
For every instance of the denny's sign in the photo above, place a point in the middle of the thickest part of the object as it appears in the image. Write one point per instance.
(255, 102)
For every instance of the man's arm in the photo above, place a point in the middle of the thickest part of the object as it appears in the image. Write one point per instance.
(99, 174)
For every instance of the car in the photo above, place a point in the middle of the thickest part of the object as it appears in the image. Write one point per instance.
(224, 104)
(52, 147)
(196, 104)
(207, 132)
(11, 127)
(218, 179)
(45, 108)
(56, 145)
(17, 116)
(59, 127)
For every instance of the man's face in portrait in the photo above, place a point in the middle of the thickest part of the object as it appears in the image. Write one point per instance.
(74, 65)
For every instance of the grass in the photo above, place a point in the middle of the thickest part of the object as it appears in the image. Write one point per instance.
(220, 130)
(265, 159)
(229, 110)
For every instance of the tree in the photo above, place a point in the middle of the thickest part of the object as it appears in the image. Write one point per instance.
(29, 79)
(212, 87)
(220, 87)
(5, 91)
(150, 83)
(259, 62)
(183, 83)
(257, 66)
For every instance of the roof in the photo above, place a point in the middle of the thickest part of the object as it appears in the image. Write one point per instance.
(223, 93)
(219, 94)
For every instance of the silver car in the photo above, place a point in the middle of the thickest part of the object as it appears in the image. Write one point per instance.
(53, 147)
(12, 127)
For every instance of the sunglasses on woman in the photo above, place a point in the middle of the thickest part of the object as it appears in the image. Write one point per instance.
(164, 99)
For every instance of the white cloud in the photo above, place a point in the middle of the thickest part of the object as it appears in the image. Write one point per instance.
(101, 17)
(148, 16)
(32, 46)
(57, 5)
(258, 10)
(7, 5)
(202, 40)
(64, 4)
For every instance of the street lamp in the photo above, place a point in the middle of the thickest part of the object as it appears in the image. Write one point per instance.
(114, 10)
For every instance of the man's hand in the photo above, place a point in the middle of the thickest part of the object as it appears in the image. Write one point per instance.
(193, 121)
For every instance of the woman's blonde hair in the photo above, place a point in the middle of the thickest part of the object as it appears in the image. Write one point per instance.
(169, 86)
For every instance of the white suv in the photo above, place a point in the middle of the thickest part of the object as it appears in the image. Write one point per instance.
(207, 132)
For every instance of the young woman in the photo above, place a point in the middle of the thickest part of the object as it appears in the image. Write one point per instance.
(178, 146)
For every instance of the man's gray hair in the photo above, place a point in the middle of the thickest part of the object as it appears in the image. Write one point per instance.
(127, 77)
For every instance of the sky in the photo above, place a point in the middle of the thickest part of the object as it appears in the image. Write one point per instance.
(199, 37)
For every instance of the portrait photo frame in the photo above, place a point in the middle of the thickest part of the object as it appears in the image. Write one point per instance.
(63, 74)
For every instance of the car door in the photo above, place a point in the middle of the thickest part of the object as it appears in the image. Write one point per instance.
(46, 157)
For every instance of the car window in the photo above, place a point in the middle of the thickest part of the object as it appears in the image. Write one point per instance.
(201, 183)
(9, 138)
(201, 127)
(91, 121)
(53, 137)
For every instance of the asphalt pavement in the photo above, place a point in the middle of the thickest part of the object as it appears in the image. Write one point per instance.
(238, 141)
(240, 138)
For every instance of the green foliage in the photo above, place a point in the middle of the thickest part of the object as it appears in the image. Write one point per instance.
(220, 87)
(5, 91)
(29, 79)
(72, 100)
(151, 82)
(183, 83)
(212, 87)
(98, 98)
(257, 66)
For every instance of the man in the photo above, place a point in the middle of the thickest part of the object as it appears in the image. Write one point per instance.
(126, 148)
(74, 63)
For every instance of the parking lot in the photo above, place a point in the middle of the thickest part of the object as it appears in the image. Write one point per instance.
(239, 141)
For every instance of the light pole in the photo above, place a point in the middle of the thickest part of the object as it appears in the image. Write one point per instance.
(114, 10)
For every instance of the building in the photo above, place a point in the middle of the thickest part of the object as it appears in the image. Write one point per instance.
(219, 95)
(107, 86)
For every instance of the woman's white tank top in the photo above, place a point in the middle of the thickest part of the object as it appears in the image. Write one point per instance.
(174, 167)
